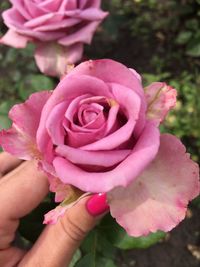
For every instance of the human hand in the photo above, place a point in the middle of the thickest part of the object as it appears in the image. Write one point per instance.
(22, 188)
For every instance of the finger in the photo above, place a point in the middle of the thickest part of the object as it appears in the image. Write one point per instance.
(58, 242)
(10, 257)
(7, 163)
(20, 192)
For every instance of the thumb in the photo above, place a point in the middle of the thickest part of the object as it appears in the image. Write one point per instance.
(58, 242)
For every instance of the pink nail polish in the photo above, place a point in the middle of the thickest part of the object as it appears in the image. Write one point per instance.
(97, 204)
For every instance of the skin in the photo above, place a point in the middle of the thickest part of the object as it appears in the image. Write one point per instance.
(57, 243)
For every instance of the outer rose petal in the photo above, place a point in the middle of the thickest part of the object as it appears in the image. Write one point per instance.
(157, 200)
(53, 215)
(62, 191)
(20, 139)
(160, 99)
(96, 158)
(14, 39)
(52, 59)
(143, 153)
(110, 71)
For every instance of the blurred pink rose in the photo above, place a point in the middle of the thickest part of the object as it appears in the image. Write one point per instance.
(98, 131)
(59, 28)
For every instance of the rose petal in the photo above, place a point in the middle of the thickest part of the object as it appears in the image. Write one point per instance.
(91, 3)
(127, 99)
(68, 4)
(17, 143)
(83, 35)
(53, 215)
(12, 38)
(52, 26)
(89, 14)
(44, 20)
(52, 59)
(27, 115)
(143, 153)
(62, 191)
(70, 87)
(19, 5)
(82, 138)
(74, 53)
(20, 139)
(34, 9)
(157, 200)
(160, 99)
(51, 5)
(54, 124)
(15, 22)
(99, 158)
(110, 71)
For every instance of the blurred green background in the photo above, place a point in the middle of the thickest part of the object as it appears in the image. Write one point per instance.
(161, 40)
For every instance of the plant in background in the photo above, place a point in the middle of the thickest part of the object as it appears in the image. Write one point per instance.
(58, 29)
(98, 132)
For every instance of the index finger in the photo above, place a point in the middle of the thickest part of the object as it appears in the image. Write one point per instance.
(7, 163)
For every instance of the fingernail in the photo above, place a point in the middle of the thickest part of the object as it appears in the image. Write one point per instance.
(97, 204)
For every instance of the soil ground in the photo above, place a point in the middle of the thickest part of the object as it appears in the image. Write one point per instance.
(181, 249)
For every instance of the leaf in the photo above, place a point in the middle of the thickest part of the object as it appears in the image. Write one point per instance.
(90, 261)
(150, 78)
(34, 83)
(89, 242)
(183, 37)
(104, 247)
(97, 240)
(4, 109)
(105, 262)
(4, 122)
(119, 238)
(194, 51)
(75, 259)
(87, 261)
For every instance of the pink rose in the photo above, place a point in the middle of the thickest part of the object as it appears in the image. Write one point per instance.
(98, 131)
(59, 28)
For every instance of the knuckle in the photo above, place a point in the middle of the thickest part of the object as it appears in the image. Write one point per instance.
(72, 229)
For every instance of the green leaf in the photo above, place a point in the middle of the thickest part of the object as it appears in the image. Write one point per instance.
(87, 261)
(4, 122)
(89, 242)
(150, 78)
(119, 238)
(4, 109)
(98, 261)
(105, 262)
(97, 240)
(34, 83)
(75, 259)
(194, 51)
(183, 37)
